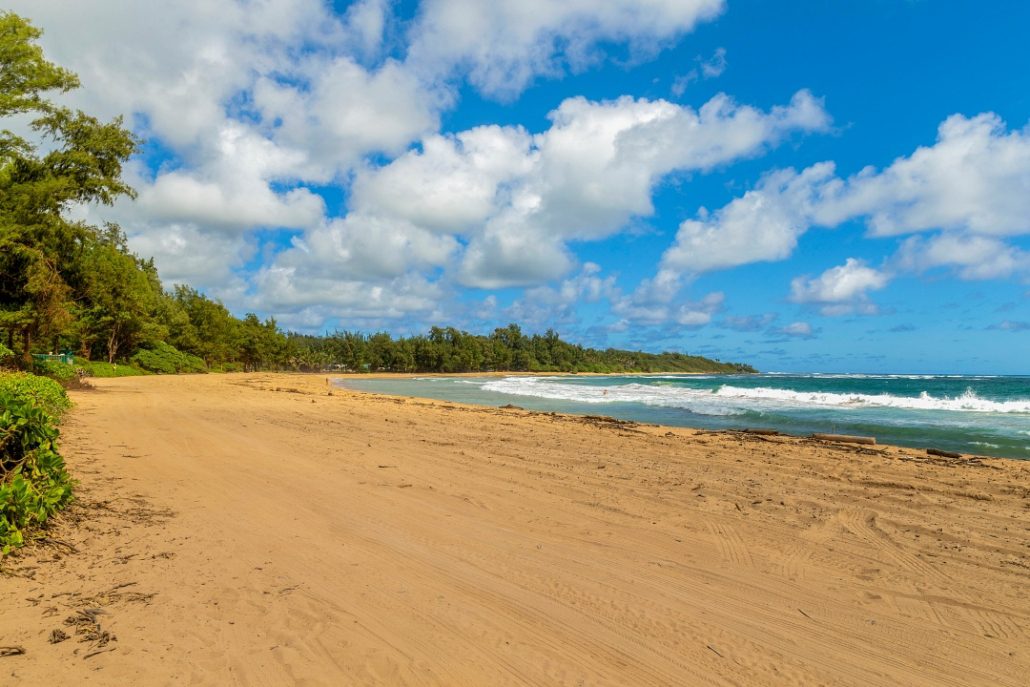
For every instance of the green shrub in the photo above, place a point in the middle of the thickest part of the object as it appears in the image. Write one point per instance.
(99, 368)
(54, 369)
(166, 359)
(45, 393)
(33, 480)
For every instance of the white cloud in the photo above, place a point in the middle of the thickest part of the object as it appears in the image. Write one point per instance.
(367, 22)
(178, 63)
(559, 304)
(600, 161)
(975, 178)
(516, 199)
(504, 44)
(840, 290)
(365, 247)
(187, 254)
(230, 188)
(639, 308)
(974, 257)
(762, 225)
(341, 111)
(714, 66)
(504, 256)
(453, 184)
(597, 166)
(973, 185)
(289, 290)
(705, 69)
(256, 105)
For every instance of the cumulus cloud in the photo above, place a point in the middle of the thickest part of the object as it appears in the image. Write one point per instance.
(452, 183)
(593, 170)
(762, 225)
(337, 111)
(698, 314)
(514, 200)
(180, 63)
(254, 107)
(973, 184)
(505, 255)
(289, 290)
(599, 161)
(187, 254)
(638, 308)
(840, 290)
(559, 304)
(975, 178)
(363, 247)
(974, 257)
(503, 45)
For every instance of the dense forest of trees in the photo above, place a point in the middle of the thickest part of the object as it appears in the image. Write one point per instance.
(68, 286)
(507, 348)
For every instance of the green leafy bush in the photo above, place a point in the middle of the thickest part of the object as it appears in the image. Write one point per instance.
(99, 368)
(54, 369)
(33, 480)
(42, 392)
(166, 359)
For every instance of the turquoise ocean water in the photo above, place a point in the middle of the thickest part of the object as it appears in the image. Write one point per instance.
(973, 414)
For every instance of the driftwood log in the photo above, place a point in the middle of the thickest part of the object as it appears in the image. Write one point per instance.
(845, 438)
(942, 454)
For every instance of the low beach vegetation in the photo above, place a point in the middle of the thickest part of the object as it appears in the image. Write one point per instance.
(33, 481)
(163, 358)
(102, 368)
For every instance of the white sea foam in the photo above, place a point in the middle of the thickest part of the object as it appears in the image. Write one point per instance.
(695, 400)
(728, 399)
(866, 375)
(967, 402)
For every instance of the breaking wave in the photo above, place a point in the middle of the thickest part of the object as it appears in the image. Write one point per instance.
(732, 400)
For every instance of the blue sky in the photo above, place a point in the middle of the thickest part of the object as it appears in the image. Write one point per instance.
(840, 186)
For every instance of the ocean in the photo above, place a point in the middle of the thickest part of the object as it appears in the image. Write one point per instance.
(983, 415)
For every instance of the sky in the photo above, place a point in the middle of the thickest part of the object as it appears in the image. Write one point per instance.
(834, 185)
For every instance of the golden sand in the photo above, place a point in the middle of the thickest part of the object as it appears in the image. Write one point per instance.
(252, 530)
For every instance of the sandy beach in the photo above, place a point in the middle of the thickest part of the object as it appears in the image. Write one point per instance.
(254, 530)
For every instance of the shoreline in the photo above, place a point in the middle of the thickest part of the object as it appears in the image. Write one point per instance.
(926, 446)
(253, 529)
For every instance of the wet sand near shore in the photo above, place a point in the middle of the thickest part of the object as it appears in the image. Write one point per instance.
(254, 530)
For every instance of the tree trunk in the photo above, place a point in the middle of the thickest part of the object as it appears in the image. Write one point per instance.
(26, 354)
(112, 345)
